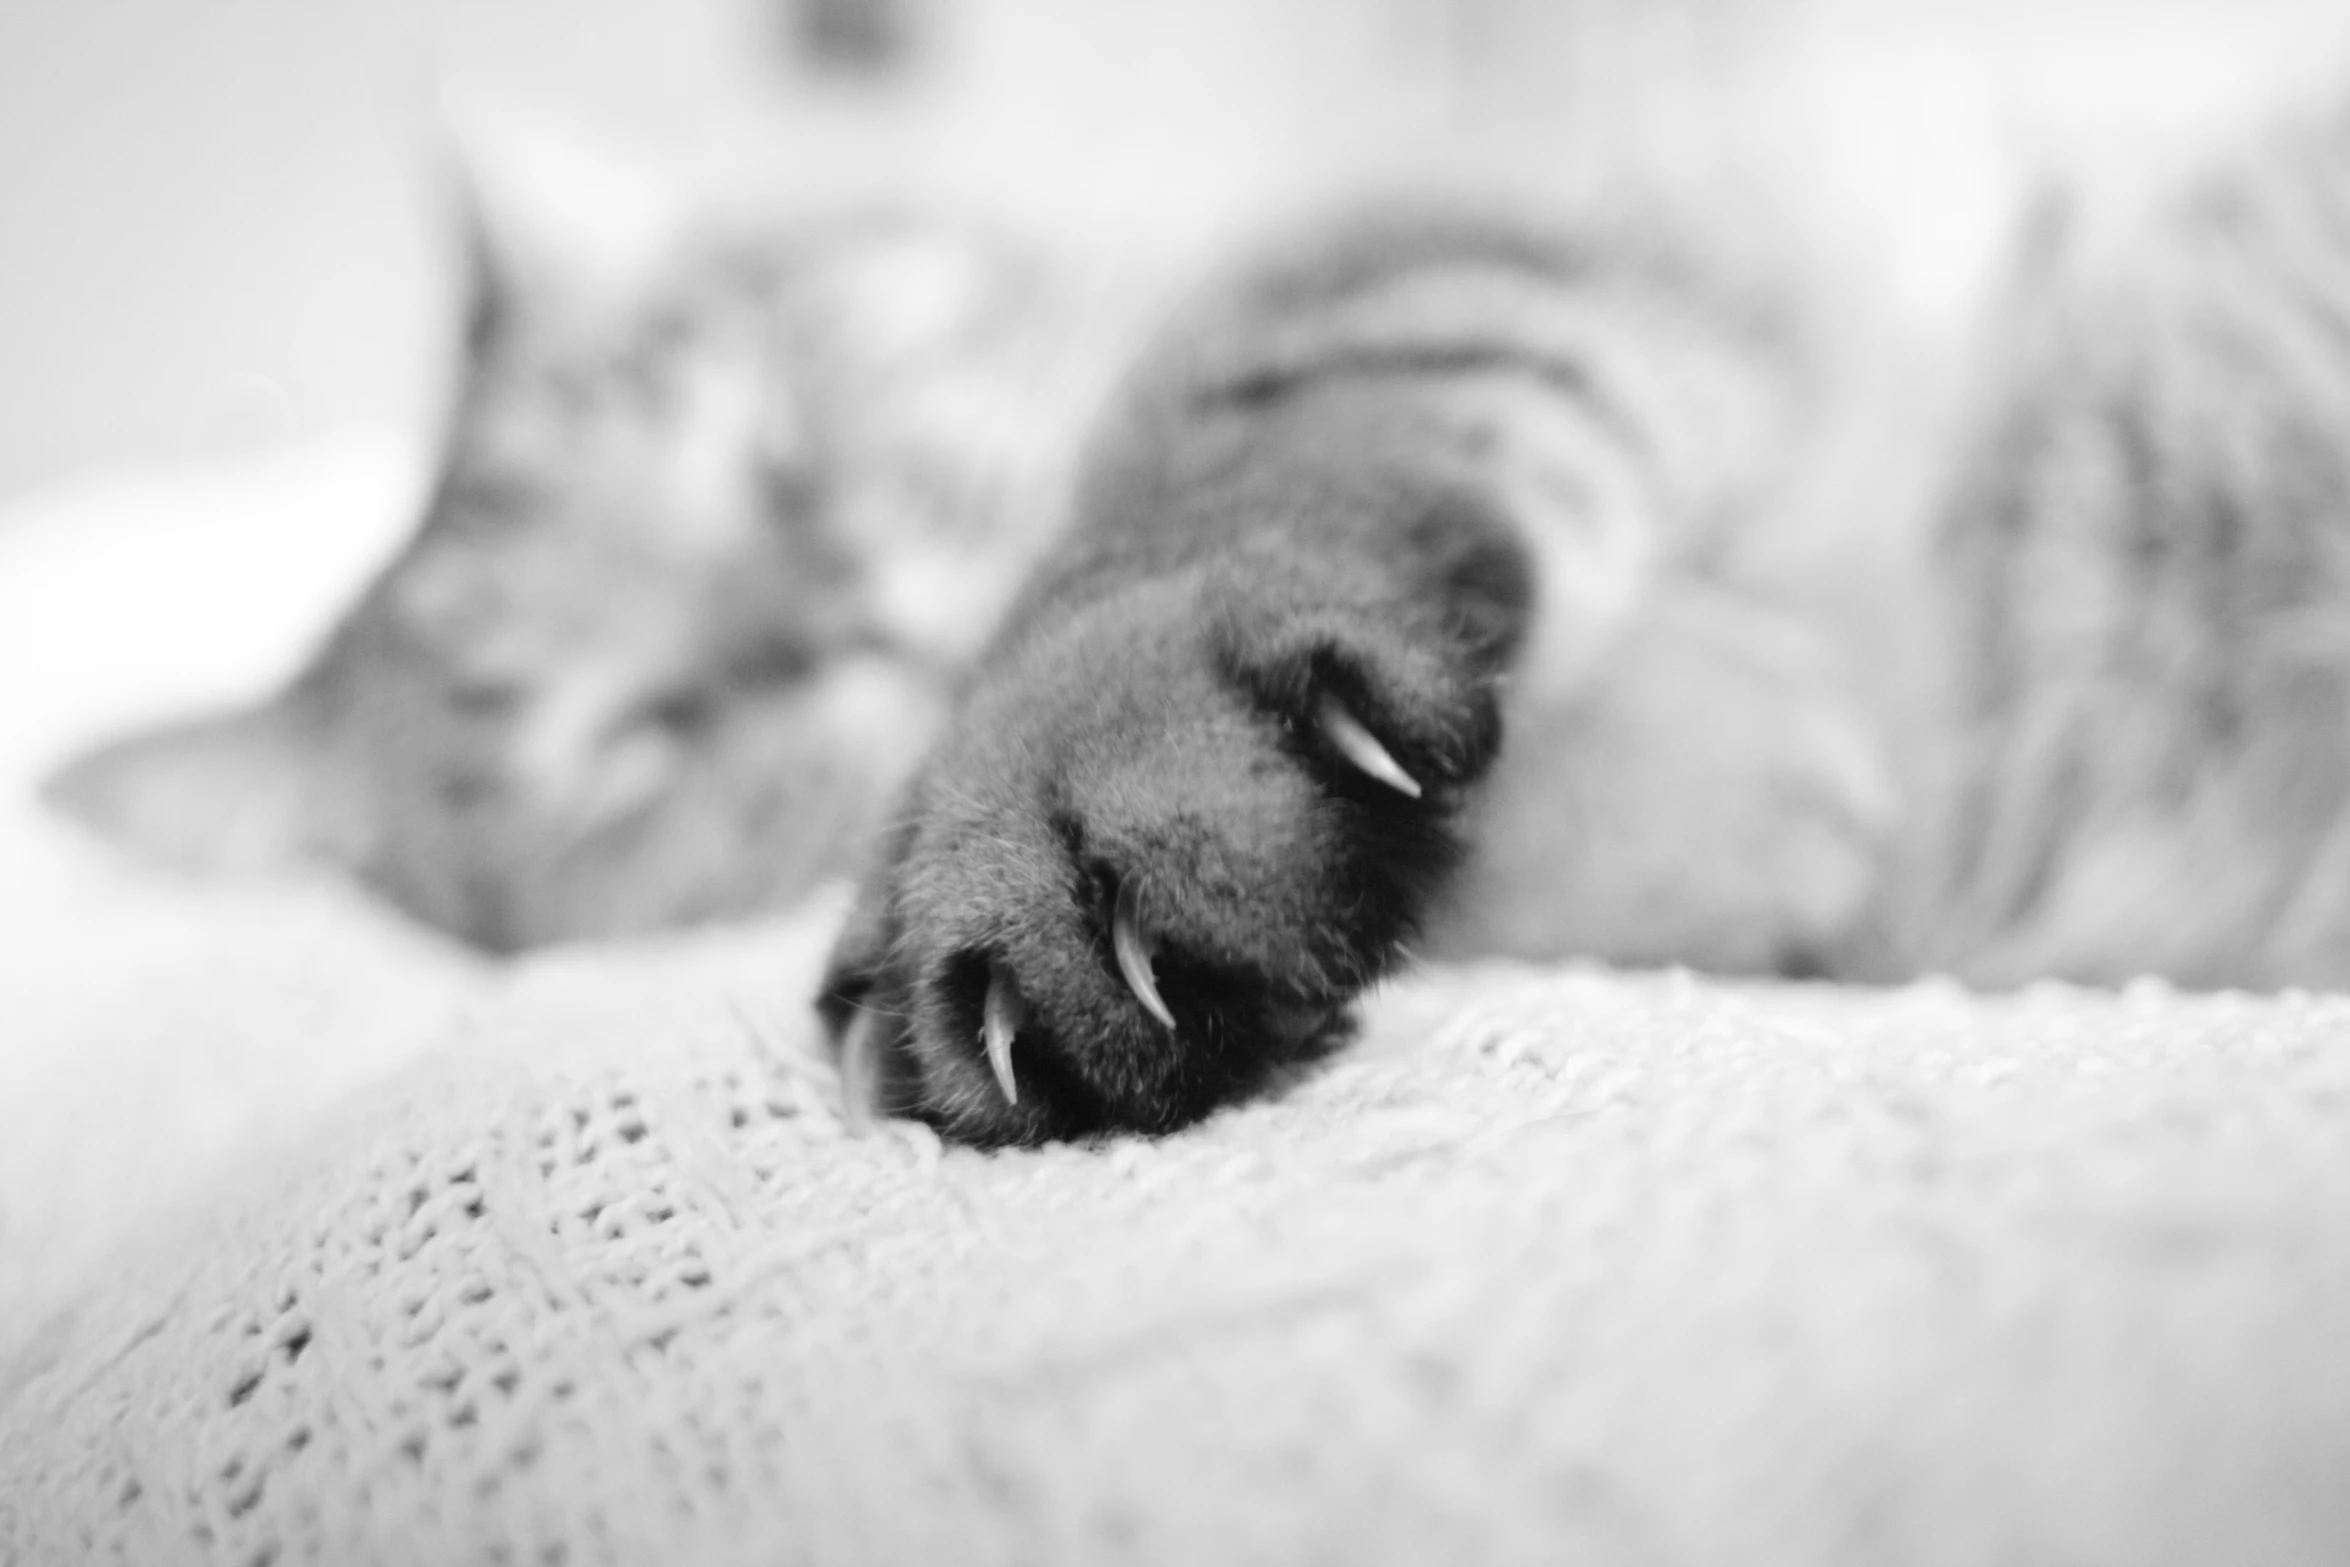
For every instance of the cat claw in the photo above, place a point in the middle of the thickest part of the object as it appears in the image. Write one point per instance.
(1350, 739)
(1134, 957)
(999, 1025)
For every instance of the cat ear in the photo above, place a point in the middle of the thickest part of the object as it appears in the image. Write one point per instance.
(247, 791)
(552, 216)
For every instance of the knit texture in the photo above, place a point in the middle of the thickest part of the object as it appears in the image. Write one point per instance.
(1557, 1265)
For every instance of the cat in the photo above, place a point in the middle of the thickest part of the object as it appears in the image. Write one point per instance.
(726, 502)
(1447, 581)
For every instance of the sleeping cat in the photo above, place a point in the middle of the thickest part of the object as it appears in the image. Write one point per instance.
(1442, 581)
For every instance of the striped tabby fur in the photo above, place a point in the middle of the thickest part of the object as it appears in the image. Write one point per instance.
(1443, 581)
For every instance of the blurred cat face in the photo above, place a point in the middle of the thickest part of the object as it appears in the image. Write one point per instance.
(716, 521)
(627, 533)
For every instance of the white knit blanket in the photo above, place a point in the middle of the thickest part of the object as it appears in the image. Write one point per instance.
(320, 1243)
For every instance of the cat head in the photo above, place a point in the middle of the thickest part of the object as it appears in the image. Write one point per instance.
(710, 531)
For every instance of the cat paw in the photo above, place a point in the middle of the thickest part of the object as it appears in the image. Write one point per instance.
(1163, 846)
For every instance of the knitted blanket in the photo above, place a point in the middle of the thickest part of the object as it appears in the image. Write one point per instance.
(1557, 1266)
(320, 1243)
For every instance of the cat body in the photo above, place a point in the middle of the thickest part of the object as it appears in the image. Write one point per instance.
(1500, 492)
(2147, 567)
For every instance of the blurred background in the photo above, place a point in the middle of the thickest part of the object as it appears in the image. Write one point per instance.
(226, 219)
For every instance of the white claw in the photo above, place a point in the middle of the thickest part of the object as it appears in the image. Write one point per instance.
(1134, 956)
(999, 1025)
(860, 1075)
(1346, 734)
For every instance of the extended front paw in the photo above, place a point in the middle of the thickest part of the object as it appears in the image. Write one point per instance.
(1162, 848)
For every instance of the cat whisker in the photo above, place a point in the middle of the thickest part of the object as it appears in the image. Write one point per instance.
(1358, 745)
(999, 1025)
(1134, 957)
